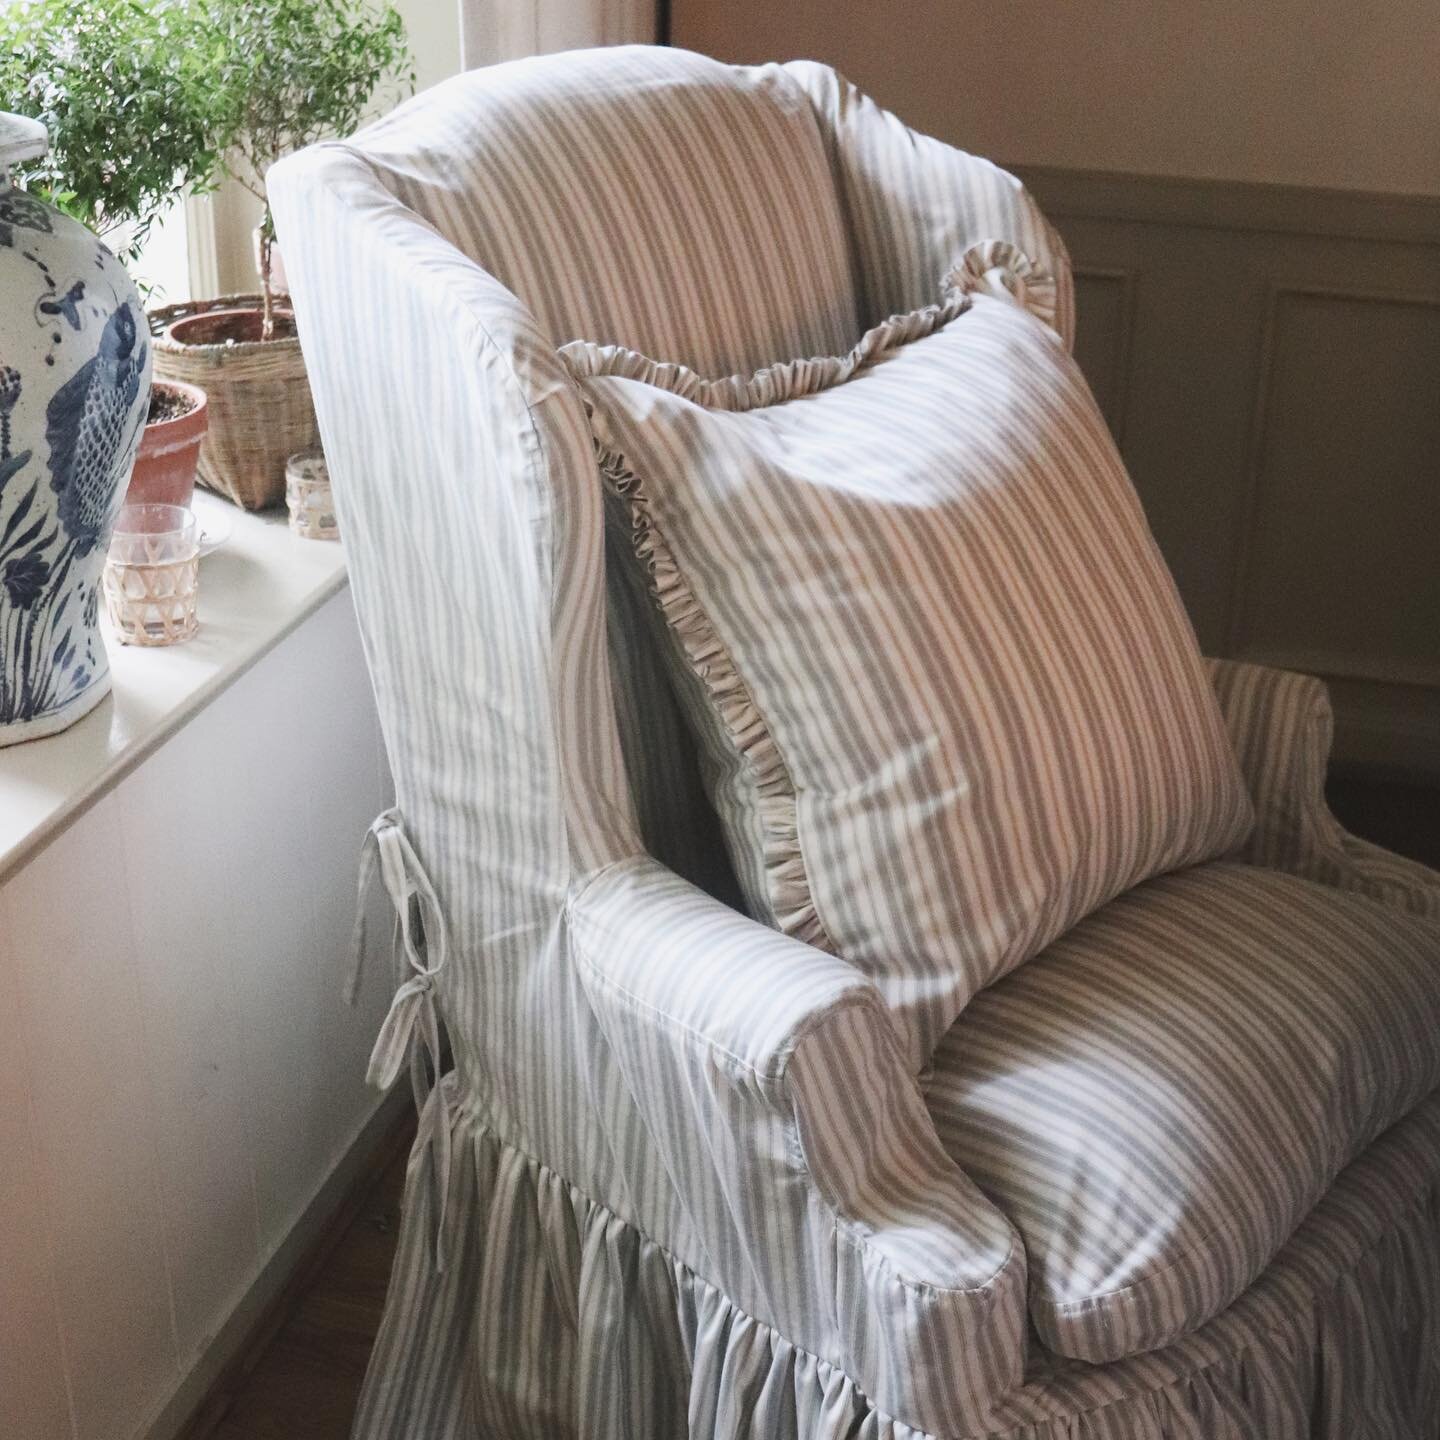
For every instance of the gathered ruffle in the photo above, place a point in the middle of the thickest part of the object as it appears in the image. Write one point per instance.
(787, 882)
(1002, 270)
(990, 267)
(775, 384)
(574, 1322)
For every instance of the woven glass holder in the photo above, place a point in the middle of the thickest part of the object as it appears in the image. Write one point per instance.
(152, 575)
(307, 495)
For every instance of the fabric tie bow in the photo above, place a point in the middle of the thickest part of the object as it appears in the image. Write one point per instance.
(412, 1025)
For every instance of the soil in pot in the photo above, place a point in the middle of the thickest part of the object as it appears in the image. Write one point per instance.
(164, 472)
(221, 327)
(169, 402)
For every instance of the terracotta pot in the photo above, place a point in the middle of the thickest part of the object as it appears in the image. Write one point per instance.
(164, 472)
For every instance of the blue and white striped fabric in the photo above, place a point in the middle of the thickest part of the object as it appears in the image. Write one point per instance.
(692, 1187)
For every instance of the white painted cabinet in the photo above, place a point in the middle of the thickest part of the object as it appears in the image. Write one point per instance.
(179, 1077)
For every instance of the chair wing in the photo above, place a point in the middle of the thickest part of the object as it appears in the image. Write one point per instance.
(914, 205)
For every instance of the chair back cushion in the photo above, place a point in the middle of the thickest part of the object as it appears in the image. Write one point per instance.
(638, 196)
(948, 698)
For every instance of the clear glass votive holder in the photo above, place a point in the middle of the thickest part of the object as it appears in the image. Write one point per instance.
(152, 573)
(307, 494)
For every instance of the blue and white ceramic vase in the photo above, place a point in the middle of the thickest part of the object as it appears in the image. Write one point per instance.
(74, 393)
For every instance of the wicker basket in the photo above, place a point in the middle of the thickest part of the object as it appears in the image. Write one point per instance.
(259, 401)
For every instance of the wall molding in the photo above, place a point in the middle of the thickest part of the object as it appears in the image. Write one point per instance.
(1328, 663)
(1235, 205)
(1117, 388)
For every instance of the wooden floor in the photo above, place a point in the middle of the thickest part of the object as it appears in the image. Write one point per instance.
(304, 1383)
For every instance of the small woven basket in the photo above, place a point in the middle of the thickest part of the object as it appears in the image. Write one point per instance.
(259, 402)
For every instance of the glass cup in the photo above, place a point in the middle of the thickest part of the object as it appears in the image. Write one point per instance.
(152, 572)
(307, 493)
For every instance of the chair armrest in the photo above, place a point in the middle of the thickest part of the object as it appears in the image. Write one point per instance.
(915, 204)
(770, 1081)
(1280, 725)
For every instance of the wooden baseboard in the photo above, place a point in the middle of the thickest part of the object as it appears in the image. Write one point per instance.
(199, 1402)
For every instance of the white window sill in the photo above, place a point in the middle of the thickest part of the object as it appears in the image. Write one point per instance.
(253, 592)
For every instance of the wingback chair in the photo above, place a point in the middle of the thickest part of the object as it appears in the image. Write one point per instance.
(679, 1180)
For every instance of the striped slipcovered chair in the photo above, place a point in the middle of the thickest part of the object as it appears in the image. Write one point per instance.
(680, 1179)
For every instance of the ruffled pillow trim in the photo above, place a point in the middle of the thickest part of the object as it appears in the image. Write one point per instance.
(997, 268)
(775, 384)
(787, 881)
(992, 267)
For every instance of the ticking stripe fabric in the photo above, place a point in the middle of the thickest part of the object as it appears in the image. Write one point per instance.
(1281, 726)
(582, 1327)
(909, 1248)
(683, 208)
(948, 696)
(691, 1187)
(913, 203)
(1163, 1095)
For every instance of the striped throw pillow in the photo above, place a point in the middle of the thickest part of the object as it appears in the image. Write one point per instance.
(947, 698)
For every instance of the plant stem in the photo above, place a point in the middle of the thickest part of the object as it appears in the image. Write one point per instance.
(267, 293)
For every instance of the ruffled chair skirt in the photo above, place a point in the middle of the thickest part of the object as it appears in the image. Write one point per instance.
(553, 1317)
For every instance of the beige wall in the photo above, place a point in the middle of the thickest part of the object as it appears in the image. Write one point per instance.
(433, 27)
(434, 30)
(1336, 93)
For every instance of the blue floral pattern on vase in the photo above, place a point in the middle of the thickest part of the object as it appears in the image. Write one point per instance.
(85, 426)
(19, 209)
(74, 391)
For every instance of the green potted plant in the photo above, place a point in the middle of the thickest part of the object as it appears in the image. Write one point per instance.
(281, 74)
(132, 126)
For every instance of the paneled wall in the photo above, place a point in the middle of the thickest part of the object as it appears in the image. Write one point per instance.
(1269, 359)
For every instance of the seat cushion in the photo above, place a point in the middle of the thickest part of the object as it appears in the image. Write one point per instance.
(947, 696)
(1160, 1098)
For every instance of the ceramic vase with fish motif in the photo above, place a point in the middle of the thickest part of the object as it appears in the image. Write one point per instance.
(74, 393)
